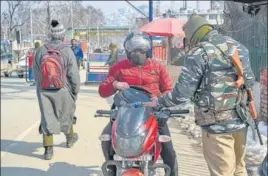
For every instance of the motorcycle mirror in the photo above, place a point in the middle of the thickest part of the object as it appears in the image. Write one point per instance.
(164, 138)
(105, 137)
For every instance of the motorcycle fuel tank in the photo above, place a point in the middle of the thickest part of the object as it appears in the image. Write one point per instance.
(130, 134)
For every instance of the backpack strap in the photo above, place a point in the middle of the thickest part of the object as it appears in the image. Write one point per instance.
(60, 47)
(57, 50)
(50, 47)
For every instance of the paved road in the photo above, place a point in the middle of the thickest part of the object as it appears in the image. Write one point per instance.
(21, 144)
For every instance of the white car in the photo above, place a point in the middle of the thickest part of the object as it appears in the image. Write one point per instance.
(21, 67)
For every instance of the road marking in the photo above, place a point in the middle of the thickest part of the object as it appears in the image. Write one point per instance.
(19, 138)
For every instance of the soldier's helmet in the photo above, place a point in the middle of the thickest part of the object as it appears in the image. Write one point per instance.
(193, 25)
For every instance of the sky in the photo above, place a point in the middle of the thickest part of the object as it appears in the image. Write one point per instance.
(106, 5)
(111, 6)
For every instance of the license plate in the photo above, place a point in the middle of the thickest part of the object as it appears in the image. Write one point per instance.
(146, 157)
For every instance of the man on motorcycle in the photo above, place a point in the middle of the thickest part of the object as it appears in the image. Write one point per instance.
(141, 71)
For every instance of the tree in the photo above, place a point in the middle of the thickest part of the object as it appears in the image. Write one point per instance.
(96, 16)
(4, 25)
(16, 15)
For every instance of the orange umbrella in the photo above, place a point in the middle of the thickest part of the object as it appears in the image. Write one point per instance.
(168, 27)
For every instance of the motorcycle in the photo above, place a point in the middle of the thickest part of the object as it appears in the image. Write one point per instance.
(135, 138)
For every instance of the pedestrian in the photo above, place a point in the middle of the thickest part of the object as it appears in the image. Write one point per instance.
(77, 52)
(113, 57)
(208, 79)
(179, 58)
(36, 46)
(57, 86)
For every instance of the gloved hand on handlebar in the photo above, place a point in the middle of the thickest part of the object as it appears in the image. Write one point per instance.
(153, 103)
(120, 85)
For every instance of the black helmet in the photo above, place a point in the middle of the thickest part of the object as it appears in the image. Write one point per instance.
(137, 41)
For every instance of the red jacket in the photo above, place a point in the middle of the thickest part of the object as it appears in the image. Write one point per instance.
(30, 59)
(152, 76)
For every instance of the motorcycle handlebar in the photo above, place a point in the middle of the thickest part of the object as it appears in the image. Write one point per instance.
(168, 112)
(105, 112)
(178, 112)
(177, 115)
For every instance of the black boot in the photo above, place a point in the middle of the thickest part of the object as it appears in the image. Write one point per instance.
(72, 140)
(48, 152)
(175, 171)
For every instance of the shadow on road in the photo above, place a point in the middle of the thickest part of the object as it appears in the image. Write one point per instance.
(55, 169)
(12, 89)
(23, 148)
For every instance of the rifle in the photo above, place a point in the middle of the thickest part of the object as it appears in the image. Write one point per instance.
(241, 83)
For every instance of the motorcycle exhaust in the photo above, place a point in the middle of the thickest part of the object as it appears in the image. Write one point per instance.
(160, 165)
(109, 163)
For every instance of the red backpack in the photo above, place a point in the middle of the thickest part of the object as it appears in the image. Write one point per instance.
(52, 73)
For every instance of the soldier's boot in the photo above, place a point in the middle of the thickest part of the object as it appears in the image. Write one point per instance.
(48, 153)
(71, 138)
(48, 145)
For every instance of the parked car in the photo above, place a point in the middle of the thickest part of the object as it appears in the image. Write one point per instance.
(6, 58)
(21, 67)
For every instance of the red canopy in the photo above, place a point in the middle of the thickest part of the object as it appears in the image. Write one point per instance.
(164, 27)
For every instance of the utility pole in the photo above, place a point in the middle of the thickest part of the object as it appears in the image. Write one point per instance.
(20, 31)
(151, 19)
(157, 8)
(72, 21)
(98, 34)
(89, 26)
(150, 10)
(31, 18)
(172, 6)
(184, 4)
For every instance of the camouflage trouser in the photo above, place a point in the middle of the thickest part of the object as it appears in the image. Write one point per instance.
(225, 153)
(48, 139)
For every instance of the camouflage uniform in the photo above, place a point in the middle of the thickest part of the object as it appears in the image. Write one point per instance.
(263, 168)
(208, 79)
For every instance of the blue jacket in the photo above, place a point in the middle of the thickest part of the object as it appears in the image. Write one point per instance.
(78, 52)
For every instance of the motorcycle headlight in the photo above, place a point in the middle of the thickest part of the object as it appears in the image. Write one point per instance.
(130, 146)
(133, 142)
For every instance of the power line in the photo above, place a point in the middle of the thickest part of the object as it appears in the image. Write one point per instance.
(137, 9)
